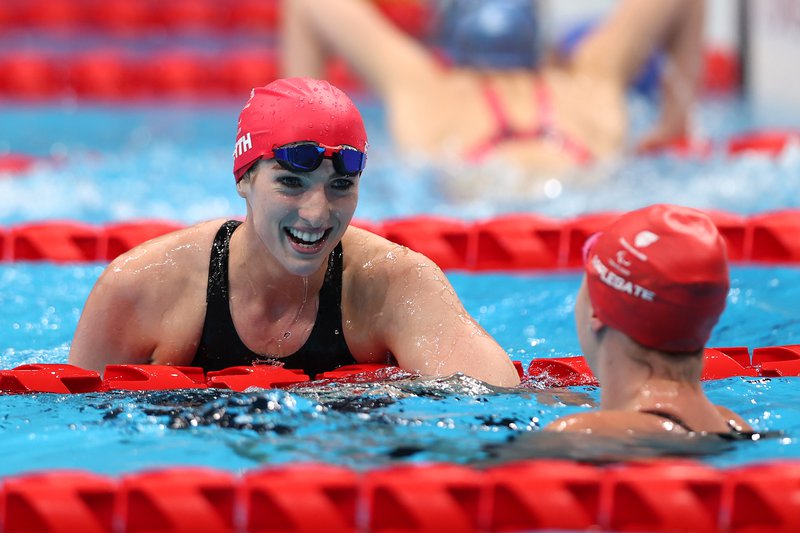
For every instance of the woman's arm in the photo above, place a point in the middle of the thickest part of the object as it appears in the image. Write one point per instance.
(382, 54)
(428, 330)
(619, 47)
(110, 329)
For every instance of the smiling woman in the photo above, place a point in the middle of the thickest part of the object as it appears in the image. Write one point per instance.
(293, 284)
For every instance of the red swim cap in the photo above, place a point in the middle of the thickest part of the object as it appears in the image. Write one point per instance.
(659, 275)
(291, 110)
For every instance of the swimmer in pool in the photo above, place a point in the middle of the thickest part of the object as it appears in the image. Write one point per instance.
(499, 100)
(654, 287)
(293, 284)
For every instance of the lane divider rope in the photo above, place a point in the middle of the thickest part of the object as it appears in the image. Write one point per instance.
(718, 363)
(523, 242)
(661, 495)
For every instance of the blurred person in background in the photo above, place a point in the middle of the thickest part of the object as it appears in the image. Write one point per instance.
(487, 93)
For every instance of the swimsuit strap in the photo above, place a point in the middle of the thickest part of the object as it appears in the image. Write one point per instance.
(496, 106)
(220, 345)
(668, 416)
(217, 291)
(737, 434)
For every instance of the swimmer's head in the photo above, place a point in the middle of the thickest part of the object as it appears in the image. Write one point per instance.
(294, 110)
(660, 276)
(489, 34)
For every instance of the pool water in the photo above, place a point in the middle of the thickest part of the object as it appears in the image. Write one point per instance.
(102, 164)
(366, 425)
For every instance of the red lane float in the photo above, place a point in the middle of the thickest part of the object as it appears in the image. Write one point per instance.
(733, 229)
(719, 365)
(54, 241)
(517, 242)
(121, 237)
(560, 372)
(773, 237)
(445, 239)
(524, 242)
(58, 502)
(113, 74)
(57, 378)
(361, 372)
(565, 496)
(778, 361)
(519, 368)
(302, 497)
(658, 496)
(178, 73)
(763, 497)
(740, 354)
(240, 378)
(30, 75)
(428, 499)
(153, 377)
(672, 496)
(179, 500)
(102, 74)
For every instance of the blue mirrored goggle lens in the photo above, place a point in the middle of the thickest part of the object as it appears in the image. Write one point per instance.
(349, 162)
(300, 158)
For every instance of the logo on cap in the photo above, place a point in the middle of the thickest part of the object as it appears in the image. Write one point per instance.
(620, 283)
(243, 144)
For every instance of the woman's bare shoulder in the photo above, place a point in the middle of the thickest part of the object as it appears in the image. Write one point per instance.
(611, 423)
(174, 256)
(365, 249)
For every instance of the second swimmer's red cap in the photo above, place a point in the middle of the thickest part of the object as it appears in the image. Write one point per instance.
(291, 110)
(659, 275)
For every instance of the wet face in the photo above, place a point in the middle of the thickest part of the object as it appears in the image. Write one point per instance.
(300, 217)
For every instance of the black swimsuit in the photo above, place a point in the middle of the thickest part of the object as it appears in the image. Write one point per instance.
(220, 345)
(734, 433)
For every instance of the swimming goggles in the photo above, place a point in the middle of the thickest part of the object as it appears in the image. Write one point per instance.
(307, 156)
